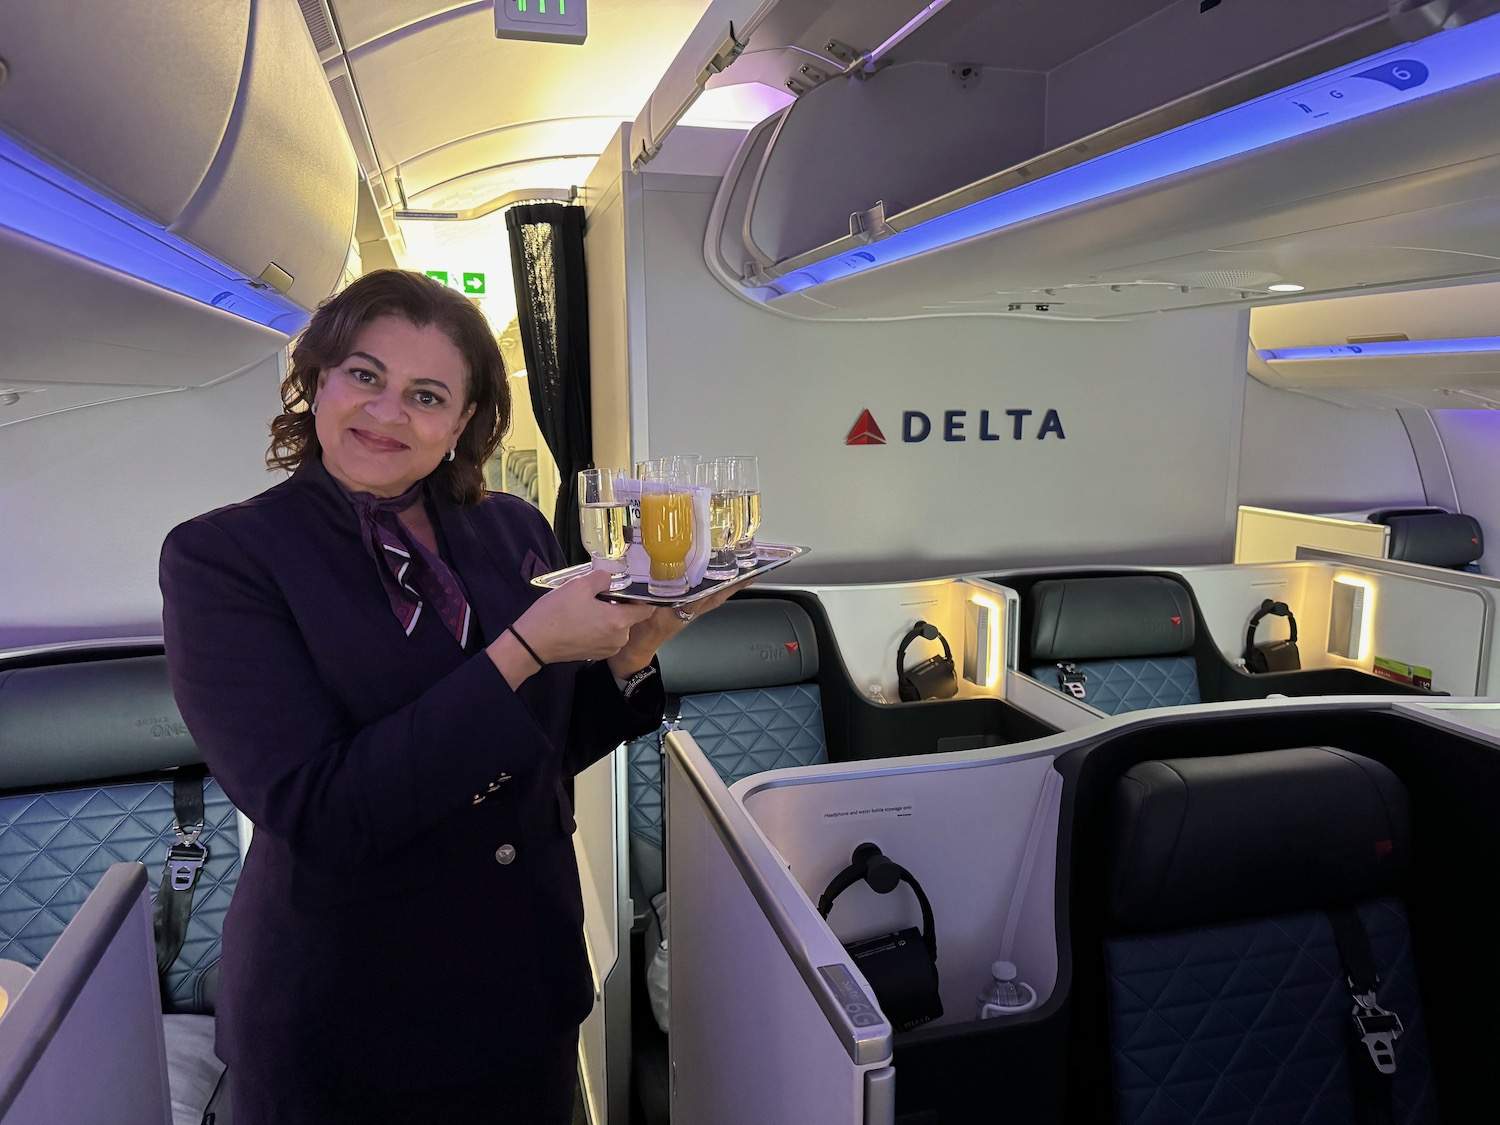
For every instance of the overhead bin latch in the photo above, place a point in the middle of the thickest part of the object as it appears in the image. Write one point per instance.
(870, 226)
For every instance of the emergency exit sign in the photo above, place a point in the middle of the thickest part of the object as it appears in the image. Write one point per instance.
(543, 21)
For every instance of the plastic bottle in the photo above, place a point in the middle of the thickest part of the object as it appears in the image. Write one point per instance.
(1004, 995)
(877, 694)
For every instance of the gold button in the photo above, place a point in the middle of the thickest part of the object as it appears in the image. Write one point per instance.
(505, 854)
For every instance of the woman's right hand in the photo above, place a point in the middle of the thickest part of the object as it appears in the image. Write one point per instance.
(571, 623)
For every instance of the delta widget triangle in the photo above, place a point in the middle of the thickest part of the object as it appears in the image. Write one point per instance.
(865, 431)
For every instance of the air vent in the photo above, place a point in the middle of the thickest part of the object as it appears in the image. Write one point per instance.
(354, 122)
(319, 22)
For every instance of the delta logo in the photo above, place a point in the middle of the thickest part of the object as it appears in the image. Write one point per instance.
(961, 425)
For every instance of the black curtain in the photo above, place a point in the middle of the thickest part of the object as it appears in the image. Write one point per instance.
(546, 256)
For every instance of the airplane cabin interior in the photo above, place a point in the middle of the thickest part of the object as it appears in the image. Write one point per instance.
(1125, 748)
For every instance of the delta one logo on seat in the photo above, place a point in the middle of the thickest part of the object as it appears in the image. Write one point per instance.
(961, 425)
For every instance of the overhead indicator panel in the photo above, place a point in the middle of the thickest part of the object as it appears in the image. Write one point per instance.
(543, 21)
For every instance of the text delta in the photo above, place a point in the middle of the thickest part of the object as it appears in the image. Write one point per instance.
(956, 425)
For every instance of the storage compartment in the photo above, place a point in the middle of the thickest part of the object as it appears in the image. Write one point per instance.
(1178, 155)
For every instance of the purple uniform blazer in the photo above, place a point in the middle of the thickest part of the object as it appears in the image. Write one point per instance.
(410, 903)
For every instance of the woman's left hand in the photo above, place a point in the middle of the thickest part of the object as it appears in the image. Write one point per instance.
(649, 635)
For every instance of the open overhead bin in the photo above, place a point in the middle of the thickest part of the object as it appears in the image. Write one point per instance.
(1097, 160)
(179, 189)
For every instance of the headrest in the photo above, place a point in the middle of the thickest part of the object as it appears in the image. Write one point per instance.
(761, 642)
(1090, 618)
(1433, 537)
(65, 724)
(1199, 840)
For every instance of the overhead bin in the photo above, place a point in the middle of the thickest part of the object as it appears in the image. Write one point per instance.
(1430, 348)
(186, 161)
(1201, 155)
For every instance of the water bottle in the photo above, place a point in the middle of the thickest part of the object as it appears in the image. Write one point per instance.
(1004, 995)
(876, 694)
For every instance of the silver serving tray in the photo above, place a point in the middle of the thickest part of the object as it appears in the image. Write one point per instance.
(768, 556)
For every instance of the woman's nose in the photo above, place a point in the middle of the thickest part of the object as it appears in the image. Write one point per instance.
(386, 406)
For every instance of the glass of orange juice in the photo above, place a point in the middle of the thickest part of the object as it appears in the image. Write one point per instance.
(666, 523)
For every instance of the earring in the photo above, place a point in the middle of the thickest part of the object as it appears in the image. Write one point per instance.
(451, 454)
(313, 409)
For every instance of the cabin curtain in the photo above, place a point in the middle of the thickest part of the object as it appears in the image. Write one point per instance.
(546, 255)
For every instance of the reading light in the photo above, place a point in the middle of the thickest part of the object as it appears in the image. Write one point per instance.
(1349, 617)
(46, 204)
(1385, 347)
(982, 641)
(1286, 287)
(1415, 70)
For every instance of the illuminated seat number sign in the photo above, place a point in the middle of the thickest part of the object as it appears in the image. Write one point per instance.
(542, 21)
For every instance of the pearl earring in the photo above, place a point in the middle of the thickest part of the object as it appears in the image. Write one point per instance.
(451, 454)
(314, 408)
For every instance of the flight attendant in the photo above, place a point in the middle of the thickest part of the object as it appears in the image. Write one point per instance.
(369, 673)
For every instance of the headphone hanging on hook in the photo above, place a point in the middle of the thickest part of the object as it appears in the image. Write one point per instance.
(1272, 656)
(935, 677)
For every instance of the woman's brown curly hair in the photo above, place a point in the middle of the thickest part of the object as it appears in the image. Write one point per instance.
(329, 338)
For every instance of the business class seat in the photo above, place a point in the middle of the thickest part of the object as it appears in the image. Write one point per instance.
(95, 755)
(1242, 892)
(1433, 537)
(1127, 642)
(741, 682)
(1118, 643)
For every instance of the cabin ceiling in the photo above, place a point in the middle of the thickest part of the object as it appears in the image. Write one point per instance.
(439, 97)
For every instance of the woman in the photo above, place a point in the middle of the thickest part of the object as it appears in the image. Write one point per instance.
(369, 673)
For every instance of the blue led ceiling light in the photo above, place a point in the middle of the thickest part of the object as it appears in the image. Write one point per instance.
(1384, 348)
(1436, 64)
(46, 204)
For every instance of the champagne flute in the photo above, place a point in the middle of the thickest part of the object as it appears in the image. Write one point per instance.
(667, 524)
(601, 523)
(747, 474)
(726, 507)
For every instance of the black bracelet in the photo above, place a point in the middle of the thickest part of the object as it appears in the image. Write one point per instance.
(540, 663)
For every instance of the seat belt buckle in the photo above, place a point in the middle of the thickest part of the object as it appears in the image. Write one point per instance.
(1071, 679)
(185, 861)
(1378, 1030)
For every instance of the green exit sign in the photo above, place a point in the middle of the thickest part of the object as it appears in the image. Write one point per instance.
(542, 21)
(440, 276)
(474, 284)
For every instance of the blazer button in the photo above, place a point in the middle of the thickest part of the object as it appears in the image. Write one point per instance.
(505, 854)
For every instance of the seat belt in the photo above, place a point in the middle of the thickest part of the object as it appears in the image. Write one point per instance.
(185, 860)
(1373, 1030)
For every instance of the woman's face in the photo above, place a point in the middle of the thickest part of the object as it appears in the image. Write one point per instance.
(389, 413)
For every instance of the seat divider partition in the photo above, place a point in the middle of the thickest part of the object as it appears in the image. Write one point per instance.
(770, 1021)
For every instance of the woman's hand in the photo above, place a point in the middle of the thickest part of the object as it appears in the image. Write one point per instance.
(661, 626)
(571, 623)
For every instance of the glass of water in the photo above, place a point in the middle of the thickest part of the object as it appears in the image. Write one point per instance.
(747, 474)
(601, 522)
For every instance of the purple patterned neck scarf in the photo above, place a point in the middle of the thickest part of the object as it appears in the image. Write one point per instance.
(412, 575)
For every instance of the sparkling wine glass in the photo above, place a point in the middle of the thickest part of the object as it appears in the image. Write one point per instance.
(726, 508)
(601, 522)
(747, 473)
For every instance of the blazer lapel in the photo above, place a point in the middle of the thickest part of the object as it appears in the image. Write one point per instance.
(497, 592)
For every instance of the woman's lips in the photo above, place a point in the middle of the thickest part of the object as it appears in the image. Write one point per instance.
(377, 442)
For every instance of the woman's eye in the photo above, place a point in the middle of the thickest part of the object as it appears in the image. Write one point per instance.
(427, 398)
(360, 375)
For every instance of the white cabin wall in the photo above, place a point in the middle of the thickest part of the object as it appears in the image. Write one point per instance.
(1471, 439)
(1150, 410)
(1307, 455)
(89, 494)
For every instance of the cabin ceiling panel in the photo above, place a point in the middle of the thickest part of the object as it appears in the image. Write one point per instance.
(427, 85)
(1453, 312)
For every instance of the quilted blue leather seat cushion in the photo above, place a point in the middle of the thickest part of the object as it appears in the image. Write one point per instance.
(55, 847)
(1245, 1023)
(1118, 686)
(743, 733)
